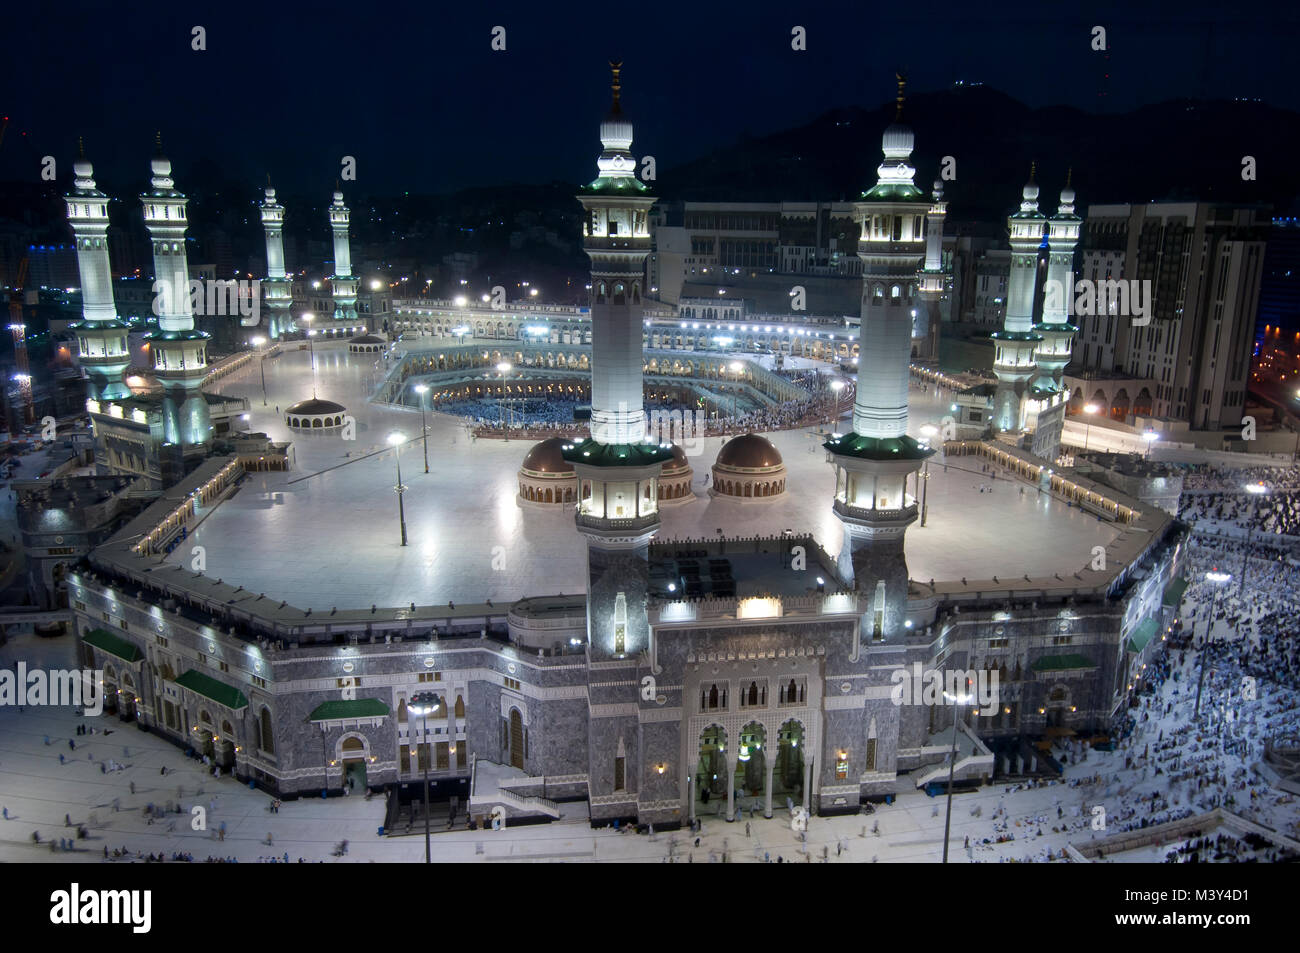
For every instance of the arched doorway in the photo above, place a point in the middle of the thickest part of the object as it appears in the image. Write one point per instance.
(203, 739)
(225, 755)
(516, 739)
(126, 701)
(353, 750)
(787, 779)
(711, 768)
(751, 760)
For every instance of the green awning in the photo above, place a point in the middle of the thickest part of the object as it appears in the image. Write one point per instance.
(1060, 663)
(1174, 593)
(113, 645)
(347, 710)
(1142, 635)
(209, 687)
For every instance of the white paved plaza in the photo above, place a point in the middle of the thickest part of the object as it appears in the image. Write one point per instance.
(332, 539)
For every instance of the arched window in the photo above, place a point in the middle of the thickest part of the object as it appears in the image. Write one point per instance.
(460, 706)
(713, 696)
(268, 734)
(753, 693)
(401, 712)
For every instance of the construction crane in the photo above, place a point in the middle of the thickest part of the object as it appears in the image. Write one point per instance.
(19, 329)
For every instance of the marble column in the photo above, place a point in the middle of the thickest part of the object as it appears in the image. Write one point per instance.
(770, 764)
(807, 784)
(733, 753)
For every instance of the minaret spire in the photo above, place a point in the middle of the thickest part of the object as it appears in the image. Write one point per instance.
(902, 84)
(81, 148)
(616, 67)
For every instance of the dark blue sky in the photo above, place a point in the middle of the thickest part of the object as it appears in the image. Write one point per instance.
(417, 96)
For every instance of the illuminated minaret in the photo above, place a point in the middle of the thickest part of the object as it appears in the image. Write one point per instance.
(925, 329)
(343, 283)
(873, 462)
(279, 289)
(179, 352)
(1058, 333)
(101, 336)
(617, 471)
(1015, 344)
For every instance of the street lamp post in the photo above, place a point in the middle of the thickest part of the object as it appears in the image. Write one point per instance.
(1218, 578)
(1256, 490)
(955, 700)
(1089, 409)
(423, 389)
(504, 368)
(736, 368)
(1150, 437)
(929, 432)
(424, 704)
(397, 438)
(837, 386)
(258, 342)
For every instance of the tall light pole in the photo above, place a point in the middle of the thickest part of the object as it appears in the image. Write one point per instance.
(736, 367)
(837, 385)
(423, 389)
(1150, 436)
(425, 704)
(1256, 490)
(928, 431)
(1218, 578)
(504, 369)
(397, 438)
(258, 342)
(1089, 409)
(955, 701)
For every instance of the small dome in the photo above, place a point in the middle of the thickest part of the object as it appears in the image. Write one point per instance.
(545, 457)
(315, 408)
(1030, 193)
(679, 461)
(749, 452)
(270, 195)
(160, 166)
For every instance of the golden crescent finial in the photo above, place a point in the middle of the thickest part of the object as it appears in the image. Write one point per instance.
(902, 82)
(616, 67)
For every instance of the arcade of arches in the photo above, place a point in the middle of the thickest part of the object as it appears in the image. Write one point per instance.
(757, 771)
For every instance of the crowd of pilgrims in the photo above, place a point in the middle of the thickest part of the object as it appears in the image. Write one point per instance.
(1217, 501)
(1169, 764)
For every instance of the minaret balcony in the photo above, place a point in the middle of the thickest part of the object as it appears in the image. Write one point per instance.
(634, 524)
(900, 516)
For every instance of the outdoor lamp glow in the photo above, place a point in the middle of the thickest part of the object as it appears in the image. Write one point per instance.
(396, 437)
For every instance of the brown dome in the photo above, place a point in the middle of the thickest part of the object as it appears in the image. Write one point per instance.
(545, 457)
(678, 462)
(749, 452)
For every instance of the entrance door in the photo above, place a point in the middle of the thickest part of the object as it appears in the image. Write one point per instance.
(354, 774)
(516, 739)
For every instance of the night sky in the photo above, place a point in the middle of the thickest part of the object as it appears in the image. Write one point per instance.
(418, 97)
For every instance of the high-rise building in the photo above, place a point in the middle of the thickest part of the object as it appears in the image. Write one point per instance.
(1188, 357)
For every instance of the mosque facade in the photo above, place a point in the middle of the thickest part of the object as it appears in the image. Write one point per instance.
(710, 676)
